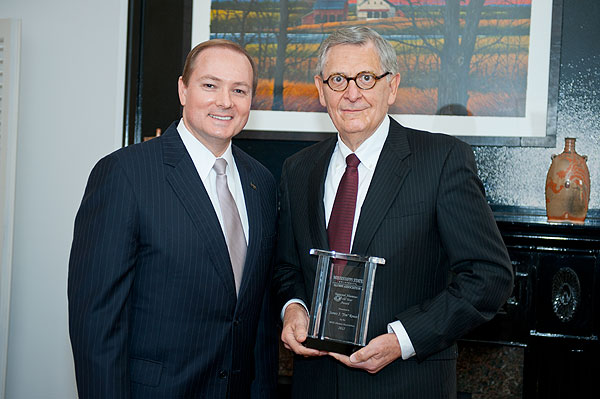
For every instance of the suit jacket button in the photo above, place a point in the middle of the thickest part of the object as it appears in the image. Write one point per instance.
(236, 322)
(222, 374)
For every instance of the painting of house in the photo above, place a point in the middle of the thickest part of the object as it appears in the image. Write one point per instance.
(493, 82)
(327, 11)
(375, 9)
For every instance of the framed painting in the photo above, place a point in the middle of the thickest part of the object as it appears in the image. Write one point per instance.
(483, 70)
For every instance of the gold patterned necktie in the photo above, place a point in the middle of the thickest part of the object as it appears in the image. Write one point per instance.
(234, 232)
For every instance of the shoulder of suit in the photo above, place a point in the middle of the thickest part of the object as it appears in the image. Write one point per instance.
(242, 155)
(424, 137)
(145, 148)
(313, 152)
(430, 144)
(138, 151)
(257, 167)
(139, 154)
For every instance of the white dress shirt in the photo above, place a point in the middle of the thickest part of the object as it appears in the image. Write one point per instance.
(203, 161)
(368, 154)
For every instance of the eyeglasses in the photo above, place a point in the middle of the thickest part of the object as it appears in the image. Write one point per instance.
(364, 80)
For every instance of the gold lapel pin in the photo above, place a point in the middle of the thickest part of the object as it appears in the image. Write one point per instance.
(253, 185)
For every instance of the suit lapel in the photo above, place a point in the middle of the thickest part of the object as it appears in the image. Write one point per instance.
(254, 211)
(392, 168)
(183, 177)
(316, 191)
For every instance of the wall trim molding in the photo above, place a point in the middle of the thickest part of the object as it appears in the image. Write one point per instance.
(10, 42)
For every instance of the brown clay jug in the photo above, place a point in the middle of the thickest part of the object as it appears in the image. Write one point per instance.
(568, 186)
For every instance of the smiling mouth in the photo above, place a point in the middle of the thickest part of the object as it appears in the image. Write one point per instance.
(221, 118)
(352, 111)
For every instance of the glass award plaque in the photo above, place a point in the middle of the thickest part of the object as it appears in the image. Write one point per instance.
(341, 301)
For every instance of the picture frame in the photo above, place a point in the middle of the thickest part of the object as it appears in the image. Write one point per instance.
(536, 127)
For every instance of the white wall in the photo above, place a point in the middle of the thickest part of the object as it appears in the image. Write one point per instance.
(70, 115)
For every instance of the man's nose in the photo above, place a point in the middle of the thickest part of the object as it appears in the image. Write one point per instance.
(224, 98)
(352, 92)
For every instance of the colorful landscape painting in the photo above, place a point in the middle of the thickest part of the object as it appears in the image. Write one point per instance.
(457, 57)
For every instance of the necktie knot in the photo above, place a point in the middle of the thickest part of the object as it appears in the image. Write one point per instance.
(352, 160)
(220, 166)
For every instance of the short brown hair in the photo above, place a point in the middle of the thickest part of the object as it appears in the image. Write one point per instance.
(193, 54)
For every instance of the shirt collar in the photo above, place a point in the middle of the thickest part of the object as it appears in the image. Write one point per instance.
(369, 150)
(201, 156)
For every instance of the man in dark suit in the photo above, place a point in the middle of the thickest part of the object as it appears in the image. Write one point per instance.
(418, 203)
(172, 251)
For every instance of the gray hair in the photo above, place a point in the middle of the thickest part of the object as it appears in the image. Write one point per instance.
(359, 36)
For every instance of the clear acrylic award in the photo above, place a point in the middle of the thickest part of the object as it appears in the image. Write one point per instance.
(341, 301)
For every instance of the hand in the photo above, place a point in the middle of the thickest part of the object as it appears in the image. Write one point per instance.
(380, 352)
(295, 328)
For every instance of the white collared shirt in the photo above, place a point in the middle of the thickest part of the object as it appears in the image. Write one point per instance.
(204, 160)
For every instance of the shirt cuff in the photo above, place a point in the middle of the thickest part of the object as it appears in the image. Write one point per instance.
(288, 303)
(406, 345)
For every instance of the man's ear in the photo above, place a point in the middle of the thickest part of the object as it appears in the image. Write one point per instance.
(182, 90)
(320, 87)
(394, 82)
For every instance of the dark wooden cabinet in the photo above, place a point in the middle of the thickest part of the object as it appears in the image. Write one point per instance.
(553, 312)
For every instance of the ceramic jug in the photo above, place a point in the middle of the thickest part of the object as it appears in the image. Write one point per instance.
(568, 186)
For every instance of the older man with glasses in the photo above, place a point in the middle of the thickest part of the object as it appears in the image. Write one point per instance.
(411, 197)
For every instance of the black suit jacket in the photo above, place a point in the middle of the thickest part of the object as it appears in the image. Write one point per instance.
(447, 269)
(153, 311)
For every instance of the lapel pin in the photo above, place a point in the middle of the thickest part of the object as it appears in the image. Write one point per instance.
(253, 185)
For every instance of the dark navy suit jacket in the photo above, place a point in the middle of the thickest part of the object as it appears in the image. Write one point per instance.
(446, 271)
(153, 311)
